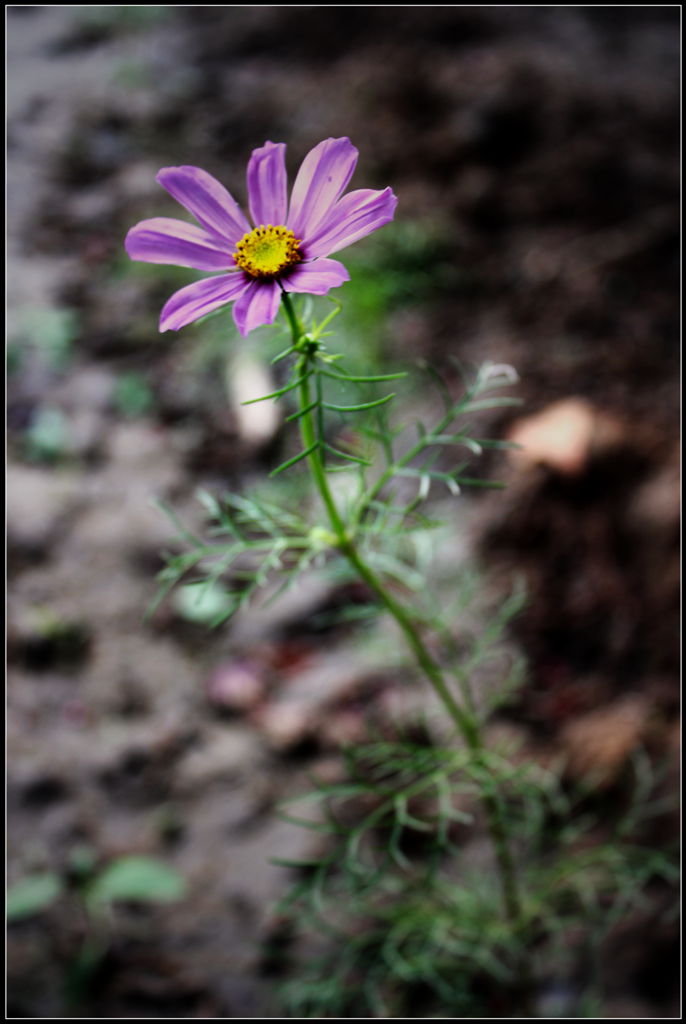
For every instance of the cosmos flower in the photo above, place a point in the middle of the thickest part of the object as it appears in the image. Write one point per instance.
(287, 249)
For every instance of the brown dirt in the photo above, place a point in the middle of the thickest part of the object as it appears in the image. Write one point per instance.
(539, 149)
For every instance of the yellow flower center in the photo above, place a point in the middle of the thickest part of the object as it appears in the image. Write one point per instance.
(266, 251)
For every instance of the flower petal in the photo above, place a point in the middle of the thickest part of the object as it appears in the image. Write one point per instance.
(164, 240)
(355, 215)
(316, 277)
(208, 201)
(267, 184)
(200, 298)
(258, 305)
(323, 175)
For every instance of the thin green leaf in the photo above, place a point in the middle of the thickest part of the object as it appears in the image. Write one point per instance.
(489, 403)
(182, 530)
(296, 458)
(377, 379)
(137, 879)
(345, 455)
(31, 895)
(286, 352)
(358, 408)
(472, 481)
(302, 412)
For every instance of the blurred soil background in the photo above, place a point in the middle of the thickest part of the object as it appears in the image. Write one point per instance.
(534, 151)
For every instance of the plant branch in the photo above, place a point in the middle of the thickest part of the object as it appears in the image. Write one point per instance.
(467, 724)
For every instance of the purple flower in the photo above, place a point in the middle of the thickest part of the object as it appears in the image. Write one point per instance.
(286, 250)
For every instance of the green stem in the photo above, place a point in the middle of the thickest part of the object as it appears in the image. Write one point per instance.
(467, 724)
(297, 330)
